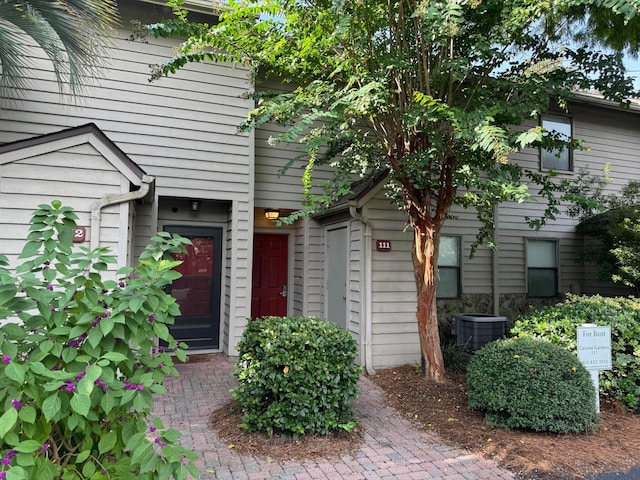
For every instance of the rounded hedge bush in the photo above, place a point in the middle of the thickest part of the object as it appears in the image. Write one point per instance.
(296, 375)
(558, 324)
(532, 384)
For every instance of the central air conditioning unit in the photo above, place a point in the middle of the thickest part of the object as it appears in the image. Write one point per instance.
(473, 330)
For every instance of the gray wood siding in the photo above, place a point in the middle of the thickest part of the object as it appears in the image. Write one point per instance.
(27, 183)
(613, 139)
(299, 268)
(272, 189)
(182, 130)
(314, 265)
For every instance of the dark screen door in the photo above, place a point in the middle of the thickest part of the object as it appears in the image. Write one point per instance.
(198, 290)
(270, 275)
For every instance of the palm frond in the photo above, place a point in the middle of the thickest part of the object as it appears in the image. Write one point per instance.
(72, 33)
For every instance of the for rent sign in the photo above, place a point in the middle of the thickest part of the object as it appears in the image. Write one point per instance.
(594, 347)
(594, 352)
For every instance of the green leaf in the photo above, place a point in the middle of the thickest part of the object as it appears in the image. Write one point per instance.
(135, 304)
(106, 325)
(80, 403)
(45, 470)
(107, 442)
(27, 414)
(8, 421)
(135, 440)
(7, 292)
(69, 354)
(107, 402)
(82, 456)
(15, 372)
(88, 469)
(86, 385)
(181, 355)
(30, 249)
(46, 346)
(115, 356)
(28, 446)
(171, 435)
(25, 459)
(38, 368)
(17, 473)
(51, 407)
(95, 336)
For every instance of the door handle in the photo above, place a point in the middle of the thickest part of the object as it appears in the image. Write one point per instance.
(285, 291)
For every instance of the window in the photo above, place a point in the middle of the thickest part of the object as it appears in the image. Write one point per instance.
(542, 268)
(562, 128)
(448, 268)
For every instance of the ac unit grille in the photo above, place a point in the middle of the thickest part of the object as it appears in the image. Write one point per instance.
(473, 330)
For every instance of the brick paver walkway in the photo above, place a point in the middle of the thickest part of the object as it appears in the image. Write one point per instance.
(392, 449)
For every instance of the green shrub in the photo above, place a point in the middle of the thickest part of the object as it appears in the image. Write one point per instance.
(530, 383)
(80, 364)
(558, 324)
(296, 375)
(456, 358)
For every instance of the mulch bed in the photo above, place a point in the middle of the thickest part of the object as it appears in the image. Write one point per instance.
(442, 407)
(615, 447)
(226, 422)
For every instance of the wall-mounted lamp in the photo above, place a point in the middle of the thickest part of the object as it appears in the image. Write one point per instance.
(271, 213)
(194, 205)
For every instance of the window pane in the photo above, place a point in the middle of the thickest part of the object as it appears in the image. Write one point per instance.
(552, 158)
(559, 124)
(449, 254)
(552, 161)
(447, 282)
(541, 253)
(542, 282)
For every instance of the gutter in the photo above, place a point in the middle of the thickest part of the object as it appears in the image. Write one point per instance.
(365, 295)
(115, 199)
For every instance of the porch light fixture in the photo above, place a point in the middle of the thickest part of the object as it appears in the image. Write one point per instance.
(194, 205)
(271, 213)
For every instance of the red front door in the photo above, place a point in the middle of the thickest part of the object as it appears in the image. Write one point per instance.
(270, 275)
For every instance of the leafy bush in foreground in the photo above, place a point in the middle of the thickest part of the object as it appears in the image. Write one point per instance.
(558, 324)
(296, 375)
(533, 384)
(79, 364)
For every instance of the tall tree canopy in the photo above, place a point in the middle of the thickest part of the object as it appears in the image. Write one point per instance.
(72, 33)
(436, 92)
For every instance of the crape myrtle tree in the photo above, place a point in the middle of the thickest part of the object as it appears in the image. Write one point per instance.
(438, 93)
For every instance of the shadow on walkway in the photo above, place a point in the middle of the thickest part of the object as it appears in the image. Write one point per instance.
(392, 448)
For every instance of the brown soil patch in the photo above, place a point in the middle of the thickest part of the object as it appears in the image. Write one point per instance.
(442, 407)
(226, 422)
(195, 358)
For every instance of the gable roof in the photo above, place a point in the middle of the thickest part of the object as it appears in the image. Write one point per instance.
(71, 137)
(361, 193)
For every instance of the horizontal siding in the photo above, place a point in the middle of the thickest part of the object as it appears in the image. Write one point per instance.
(314, 266)
(354, 275)
(25, 184)
(271, 188)
(182, 129)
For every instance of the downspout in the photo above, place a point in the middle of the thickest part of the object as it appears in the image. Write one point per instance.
(366, 291)
(495, 259)
(114, 199)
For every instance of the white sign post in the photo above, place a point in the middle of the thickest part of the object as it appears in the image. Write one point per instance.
(594, 352)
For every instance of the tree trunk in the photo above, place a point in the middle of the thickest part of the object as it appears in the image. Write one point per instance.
(427, 210)
(425, 255)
